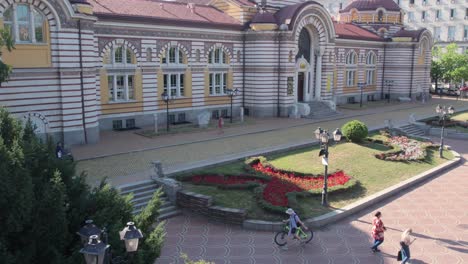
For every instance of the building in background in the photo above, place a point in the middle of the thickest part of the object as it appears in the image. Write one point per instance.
(83, 66)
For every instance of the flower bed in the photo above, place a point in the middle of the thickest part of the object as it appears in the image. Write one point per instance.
(407, 150)
(274, 188)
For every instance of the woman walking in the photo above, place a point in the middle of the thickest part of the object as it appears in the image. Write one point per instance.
(378, 230)
(405, 242)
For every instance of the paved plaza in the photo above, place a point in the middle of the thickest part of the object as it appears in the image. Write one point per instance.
(127, 156)
(435, 209)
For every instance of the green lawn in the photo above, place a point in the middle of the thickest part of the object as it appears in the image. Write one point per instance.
(463, 116)
(356, 160)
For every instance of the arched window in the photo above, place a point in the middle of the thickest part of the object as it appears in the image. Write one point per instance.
(121, 74)
(25, 23)
(351, 65)
(148, 54)
(380, 16)
(218, 78)
(304, 45)
(354, 16)
(173, 55)
(217, 56)
(174, 80)
(370, 71)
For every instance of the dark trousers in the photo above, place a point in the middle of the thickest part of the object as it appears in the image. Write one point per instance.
(405, 253)
(377, 243)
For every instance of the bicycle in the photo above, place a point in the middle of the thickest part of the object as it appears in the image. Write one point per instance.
(281, 236)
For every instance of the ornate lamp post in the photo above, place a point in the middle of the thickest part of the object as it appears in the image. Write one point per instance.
(131, 235)
(324, 137)
(443, 112)
(166, 97)
(88, 230)
(231, 94)
(96, 251)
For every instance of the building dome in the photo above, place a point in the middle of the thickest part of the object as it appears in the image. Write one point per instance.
(264, 20)
(367, 5)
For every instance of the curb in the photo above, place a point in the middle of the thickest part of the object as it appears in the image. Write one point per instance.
(312, 121)
(364, 203)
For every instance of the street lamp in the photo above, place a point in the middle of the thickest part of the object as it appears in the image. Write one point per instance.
(443, 112)
(361, 87)
(88, 230)
(324, 138)
(231, 94)
(131, 235)
(389, 84)
(94, 251)
(166, 97)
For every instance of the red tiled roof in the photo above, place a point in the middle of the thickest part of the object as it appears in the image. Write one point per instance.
(350, 31)
(171, 12)
(264, 17)
(414, 34)
(363, 5)
(245, 2)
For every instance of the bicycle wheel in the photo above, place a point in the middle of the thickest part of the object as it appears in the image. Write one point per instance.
(307, 235)
(281, 238)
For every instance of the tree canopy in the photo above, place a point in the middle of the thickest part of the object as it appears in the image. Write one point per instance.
(448, 64)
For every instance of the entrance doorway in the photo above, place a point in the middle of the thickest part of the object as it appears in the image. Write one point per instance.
(300, 87)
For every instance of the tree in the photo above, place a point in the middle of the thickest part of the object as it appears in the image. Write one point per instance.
(6, 41)
(449, 65)
(43, 203)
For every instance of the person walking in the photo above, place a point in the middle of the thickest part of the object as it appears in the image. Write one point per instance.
(220, 125)
(405, 242)
(378, 229)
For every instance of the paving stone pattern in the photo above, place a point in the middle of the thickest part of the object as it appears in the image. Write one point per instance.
(436, 210)
(136, 166)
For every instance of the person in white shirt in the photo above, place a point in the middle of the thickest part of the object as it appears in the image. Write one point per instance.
(405, 242)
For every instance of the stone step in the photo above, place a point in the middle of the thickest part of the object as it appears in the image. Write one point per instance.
(169, 215)
(138, 188)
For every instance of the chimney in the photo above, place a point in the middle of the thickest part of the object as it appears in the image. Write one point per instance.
(191, 6)
(161, 5)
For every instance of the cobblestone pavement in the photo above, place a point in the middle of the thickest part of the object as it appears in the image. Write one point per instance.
(436, 210)
(135, 166)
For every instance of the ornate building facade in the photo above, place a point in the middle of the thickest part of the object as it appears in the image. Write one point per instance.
(85, 66)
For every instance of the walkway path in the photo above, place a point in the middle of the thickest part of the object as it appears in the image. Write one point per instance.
(436, 210)
(178, 150)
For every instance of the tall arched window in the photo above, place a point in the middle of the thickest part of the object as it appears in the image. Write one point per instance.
(370, 68)
(380, 16)
(218, 63)
(351, 65)
(121, 74)
(25, 23)
(174, 81)
(304, 45)
(173, 55)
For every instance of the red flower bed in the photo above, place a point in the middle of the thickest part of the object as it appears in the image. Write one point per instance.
(285, 182)
(228, 180)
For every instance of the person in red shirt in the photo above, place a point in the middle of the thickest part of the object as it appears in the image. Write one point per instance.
(378, 229)
(220, 125)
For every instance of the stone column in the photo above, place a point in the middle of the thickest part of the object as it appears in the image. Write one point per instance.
(318, 76)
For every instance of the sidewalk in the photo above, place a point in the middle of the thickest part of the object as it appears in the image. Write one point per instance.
(124, 157)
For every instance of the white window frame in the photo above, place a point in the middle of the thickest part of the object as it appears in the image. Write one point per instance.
(351, 65)
(178, 56)
(222, 86)
(14, 24)
(125, 58)
(370, 71)
(126, 89)
(217, 54)
(178, 85)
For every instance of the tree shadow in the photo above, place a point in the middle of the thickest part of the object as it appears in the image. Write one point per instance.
(375, 146)
(457, 245)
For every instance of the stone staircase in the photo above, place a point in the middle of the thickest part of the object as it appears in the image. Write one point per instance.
(320, 110)
(143, 192)
(411, 129)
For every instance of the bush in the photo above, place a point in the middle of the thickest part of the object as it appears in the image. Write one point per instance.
(355, 131)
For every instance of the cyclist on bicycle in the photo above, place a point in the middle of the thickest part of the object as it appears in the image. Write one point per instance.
(294, 223)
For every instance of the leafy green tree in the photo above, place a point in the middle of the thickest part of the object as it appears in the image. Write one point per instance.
(6, 40)
(449, 65)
